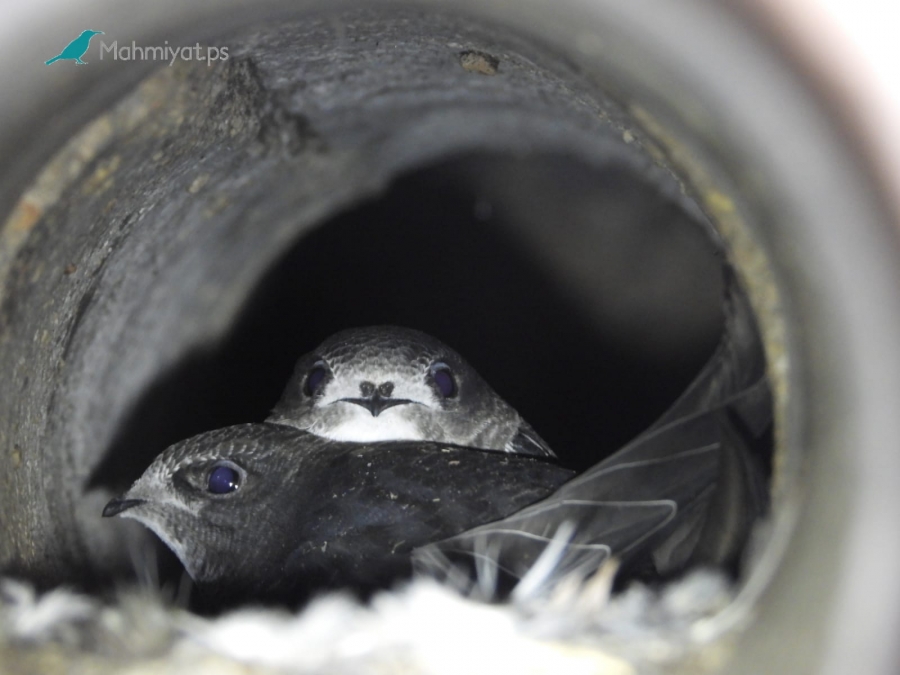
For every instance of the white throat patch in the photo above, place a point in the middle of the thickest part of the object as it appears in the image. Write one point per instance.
(360, 426)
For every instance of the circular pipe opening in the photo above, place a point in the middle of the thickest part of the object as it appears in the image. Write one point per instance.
(151, 261)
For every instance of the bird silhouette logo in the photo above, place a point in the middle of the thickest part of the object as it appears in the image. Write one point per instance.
(76, 48)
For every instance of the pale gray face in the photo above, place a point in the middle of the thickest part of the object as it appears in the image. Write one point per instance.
(388, 383)
(209, 497)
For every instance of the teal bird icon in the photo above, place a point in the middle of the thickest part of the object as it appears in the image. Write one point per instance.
(76, 48)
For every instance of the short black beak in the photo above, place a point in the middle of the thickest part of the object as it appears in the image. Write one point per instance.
(377, 404)
(117, 505)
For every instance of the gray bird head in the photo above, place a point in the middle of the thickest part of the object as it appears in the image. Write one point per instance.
(388, 383)
(210, 498)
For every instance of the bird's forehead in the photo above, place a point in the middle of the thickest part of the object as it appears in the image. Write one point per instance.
(379, 356)
(157, 476)
(192, 454)
(182, 456)
(379, 367)
(243, 444)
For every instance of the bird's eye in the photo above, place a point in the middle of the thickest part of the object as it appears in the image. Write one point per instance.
(443, 380)
(223, 479)
(314, 379)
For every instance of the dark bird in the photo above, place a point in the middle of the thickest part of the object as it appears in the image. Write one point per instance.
(265, 511)
(386, 383)
(685, 492)
(76, 48)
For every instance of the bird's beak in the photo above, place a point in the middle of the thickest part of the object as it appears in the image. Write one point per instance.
(118, 505)
(527, 442)
(377, 404)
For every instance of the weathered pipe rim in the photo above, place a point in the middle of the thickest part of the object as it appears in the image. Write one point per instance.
(839, 286)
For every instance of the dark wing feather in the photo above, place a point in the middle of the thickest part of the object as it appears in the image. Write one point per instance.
(685, 491)
(618, 508)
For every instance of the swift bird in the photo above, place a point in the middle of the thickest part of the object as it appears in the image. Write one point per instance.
(386, 383)
(267, 511)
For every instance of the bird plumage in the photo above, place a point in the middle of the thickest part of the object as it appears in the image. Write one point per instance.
(389, 383)
(309, 512)
(685, 492)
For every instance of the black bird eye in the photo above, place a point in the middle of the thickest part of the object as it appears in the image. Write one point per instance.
(443, 379)
(314, 379)
(222, 480)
